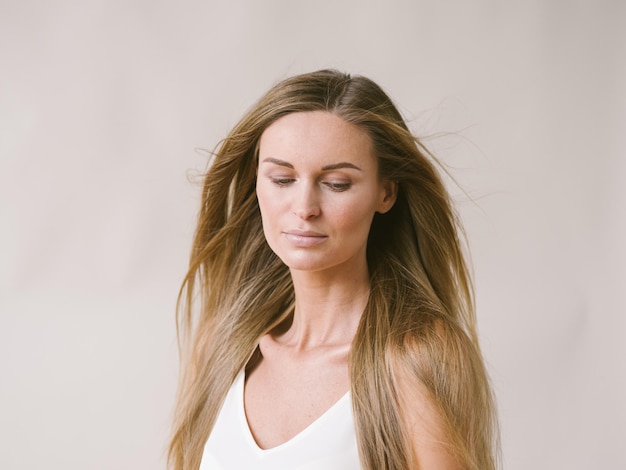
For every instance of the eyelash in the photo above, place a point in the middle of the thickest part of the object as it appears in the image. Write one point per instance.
(337, 187)
(282, 182)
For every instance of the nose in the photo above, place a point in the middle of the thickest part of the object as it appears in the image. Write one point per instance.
(306, 204)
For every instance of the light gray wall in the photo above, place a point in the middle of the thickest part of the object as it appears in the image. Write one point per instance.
(103, 103)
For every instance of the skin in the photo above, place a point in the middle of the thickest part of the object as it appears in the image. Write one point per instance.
(318, 189)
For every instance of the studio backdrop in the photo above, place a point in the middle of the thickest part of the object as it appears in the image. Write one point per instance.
(105, 107)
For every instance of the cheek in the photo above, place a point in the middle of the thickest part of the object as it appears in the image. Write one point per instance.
(268, 207)
(263, 197)
(265, 213)
(266, 219)
(357, 216)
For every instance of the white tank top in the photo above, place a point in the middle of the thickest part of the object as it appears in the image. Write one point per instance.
(329, 443)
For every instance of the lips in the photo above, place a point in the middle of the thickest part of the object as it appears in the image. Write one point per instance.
(304, 238)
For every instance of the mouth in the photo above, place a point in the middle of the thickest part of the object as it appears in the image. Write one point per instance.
(304, 239)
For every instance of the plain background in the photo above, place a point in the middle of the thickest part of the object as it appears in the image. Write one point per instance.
(104, 103)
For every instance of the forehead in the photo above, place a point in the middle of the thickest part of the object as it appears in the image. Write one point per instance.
(317, 135)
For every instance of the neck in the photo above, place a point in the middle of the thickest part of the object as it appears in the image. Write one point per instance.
(328, 308)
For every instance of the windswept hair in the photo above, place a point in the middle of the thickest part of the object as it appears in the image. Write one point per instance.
(420, 312)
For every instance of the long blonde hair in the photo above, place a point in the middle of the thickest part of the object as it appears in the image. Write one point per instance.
(420, 311)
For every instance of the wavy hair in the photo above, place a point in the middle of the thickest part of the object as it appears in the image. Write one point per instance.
(419, 316)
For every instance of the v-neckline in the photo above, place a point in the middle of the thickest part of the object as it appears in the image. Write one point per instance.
(241, 408)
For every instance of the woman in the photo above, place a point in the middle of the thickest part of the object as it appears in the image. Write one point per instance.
(327, 314)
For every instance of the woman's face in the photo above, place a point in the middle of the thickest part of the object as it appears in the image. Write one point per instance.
(318, 189)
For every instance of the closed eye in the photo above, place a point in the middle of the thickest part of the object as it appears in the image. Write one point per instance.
(338, 186)
(282, 181)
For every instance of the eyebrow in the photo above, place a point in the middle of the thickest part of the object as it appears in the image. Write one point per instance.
(333, 166)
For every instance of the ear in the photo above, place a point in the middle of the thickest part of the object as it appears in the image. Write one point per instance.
(389, 195)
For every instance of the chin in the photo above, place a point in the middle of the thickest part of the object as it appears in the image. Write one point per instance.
(304, 262)
(319, 264)
(301, 265)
